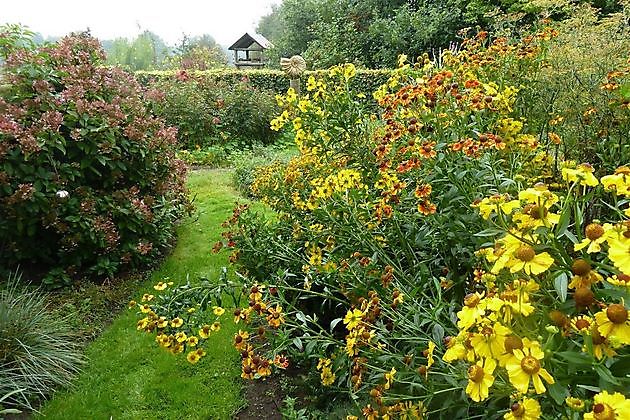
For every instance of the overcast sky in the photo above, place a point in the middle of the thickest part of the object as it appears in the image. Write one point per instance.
(225, 20)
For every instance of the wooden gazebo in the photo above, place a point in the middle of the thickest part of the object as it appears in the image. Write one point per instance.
(249, 50)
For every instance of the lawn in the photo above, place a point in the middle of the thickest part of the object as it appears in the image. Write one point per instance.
(128, 376)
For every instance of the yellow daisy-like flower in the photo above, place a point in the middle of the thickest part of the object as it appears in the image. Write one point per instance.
(177, 322)
(193, 357)
(204, 332)
(473, 310)
(162, 322)
(480, 379)
(489, 342)
(353, 318)
(192, 341)
(601, 345)
(582, 323)
(526, 259)
(429, 356)
(619, 183)
(160, 286)
(614, 322)
(216, 326)
(575, 404)
(218, 311)
(181, 337)
(147, 297)
(145, 309)
(609, 407)
(389, 378)
(583, 175)
(177, 348)
(595, 235)
(619, 253)
(621, 280)
(527, 409)
(528, 369)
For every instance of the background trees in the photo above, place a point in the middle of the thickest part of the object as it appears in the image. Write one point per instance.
(372, 32)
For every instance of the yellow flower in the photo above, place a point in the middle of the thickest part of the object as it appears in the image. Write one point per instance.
(327, 376)
(609, 407)
(474, 309)
(595, 235)
(389, 378)
(583, 175)
(132, 303)
(160, 286)
(177, 348)
(311, 84)
(147, 297)
(489, 342)
(204, 332)
(162, 322)
(619, 183)
(181, 337)
(218, 311)
(430, 360)
(480, 379)
(145, 309)
(614, 322)
(574, 404)
(177, 322)
(619, 253)
(193, 357)
(216, 326)
(526, 259)
(601, 345)
(527, 367)
(275, 318)
(527, 409)
(353, 318)
(192, 341)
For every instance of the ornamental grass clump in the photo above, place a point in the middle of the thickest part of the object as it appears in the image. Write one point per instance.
(38, 352)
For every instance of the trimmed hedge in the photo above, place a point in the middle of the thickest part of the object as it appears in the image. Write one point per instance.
(365, 81)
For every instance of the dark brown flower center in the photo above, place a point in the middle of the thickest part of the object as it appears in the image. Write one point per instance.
(471, 300)
(475, 373)
(603, 412)
(580, 267)
(530, 365)
(512, 343)
(617, 314)
(518, 410)
(594, 231)
(525, 253)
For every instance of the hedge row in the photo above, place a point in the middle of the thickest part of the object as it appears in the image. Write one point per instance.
(365, 81)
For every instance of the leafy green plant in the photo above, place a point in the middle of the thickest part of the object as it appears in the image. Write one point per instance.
(38, 352)
(89, 181)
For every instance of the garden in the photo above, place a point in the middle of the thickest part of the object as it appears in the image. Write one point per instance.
(444, 235)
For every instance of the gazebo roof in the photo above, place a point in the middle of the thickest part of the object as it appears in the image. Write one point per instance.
(246, 41)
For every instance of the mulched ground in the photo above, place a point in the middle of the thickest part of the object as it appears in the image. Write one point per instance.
(264, 400)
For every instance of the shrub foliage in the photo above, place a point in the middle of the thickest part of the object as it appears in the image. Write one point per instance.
(88, 176)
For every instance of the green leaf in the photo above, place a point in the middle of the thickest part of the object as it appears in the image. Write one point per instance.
(297, 342)
(560, 283)
(334, 323)
(606, 375)
(558, 392)
(576, 358)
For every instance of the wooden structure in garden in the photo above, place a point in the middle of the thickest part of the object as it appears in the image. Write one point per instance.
(249, 50)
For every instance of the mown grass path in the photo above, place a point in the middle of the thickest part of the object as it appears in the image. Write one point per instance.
(128, 376)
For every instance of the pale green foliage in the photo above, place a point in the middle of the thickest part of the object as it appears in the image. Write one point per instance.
(38, 352)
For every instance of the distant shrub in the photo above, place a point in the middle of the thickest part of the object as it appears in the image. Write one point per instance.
(89, 181)
(247, 162)
(365, 81)
(211, 112)
(38, 352)
(212, 156)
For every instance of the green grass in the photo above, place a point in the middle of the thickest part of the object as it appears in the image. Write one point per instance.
(128, 376)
